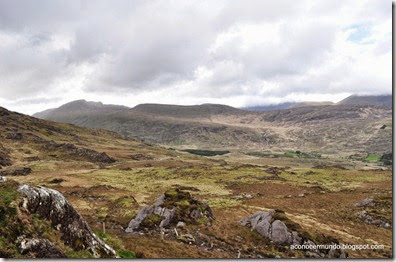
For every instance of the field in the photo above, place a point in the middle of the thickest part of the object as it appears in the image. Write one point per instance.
(319, 199)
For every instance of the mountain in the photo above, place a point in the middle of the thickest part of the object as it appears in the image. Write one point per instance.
(286, 105)
(325, 128)
(195, 111)
(383, 100)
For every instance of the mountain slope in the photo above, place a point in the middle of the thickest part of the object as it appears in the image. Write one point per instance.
(286, 105)
(384, 100)
(308, 128)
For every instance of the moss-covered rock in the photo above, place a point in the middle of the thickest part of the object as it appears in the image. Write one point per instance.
(174, 206)
(40, 222)
(275, 225)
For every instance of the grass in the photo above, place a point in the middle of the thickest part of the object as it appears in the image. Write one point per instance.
(372, 158)
(115, 243)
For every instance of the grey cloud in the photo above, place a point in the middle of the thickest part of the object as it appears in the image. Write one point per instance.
(132, 47)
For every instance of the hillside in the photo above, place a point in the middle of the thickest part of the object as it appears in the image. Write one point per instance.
(68, 191)
(330, 129)
(286, 105)
(384, 100)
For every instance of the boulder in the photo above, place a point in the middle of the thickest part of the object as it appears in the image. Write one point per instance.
(367, 202)
(274, 224)
(39, 248)
(51, 205)
(173, 208)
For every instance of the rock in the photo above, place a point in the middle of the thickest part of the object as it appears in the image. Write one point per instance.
(187, 238)
(280, 233)
(368, 219)
(367, 202)
(78, 152)
(39, 248)
(57, 181)
(243, 196)
(3, 179)
(171, 208)
(181, 224)
(51, 205)
(272, 224)
(14, 136)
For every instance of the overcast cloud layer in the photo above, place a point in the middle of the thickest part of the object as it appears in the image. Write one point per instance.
(232, 52)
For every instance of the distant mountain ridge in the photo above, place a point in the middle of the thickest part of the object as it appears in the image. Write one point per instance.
(381, 100)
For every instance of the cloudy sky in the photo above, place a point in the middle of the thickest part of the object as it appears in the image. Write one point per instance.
(235, 52)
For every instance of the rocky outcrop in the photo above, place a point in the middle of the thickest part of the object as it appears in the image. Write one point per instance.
(78, 152)
(171, 208)
(39, 248)
(274, 224)
(49, 204)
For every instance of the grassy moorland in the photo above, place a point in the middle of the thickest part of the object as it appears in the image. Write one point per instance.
(318, 193)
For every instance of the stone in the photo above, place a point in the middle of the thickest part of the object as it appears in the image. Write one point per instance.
(3, 179)
(51, 205)
(280, 233)
(181, 224)
(171, 208)
(271, 224)
(40, 248)
(367, 202)
(187, 238)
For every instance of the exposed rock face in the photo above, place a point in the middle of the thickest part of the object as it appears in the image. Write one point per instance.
(41, 248)
(170, 209)
(278, 228)
(51, 205)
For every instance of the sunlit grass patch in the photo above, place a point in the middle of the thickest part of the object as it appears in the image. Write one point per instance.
(373, 158)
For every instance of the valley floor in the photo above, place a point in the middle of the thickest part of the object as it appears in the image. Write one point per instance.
(319, 194)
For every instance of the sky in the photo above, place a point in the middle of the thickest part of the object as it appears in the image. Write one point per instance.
(235, 52)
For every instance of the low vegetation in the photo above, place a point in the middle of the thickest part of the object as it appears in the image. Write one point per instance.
(206, 152)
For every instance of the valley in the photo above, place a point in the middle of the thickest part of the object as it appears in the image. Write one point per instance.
(315, 174)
